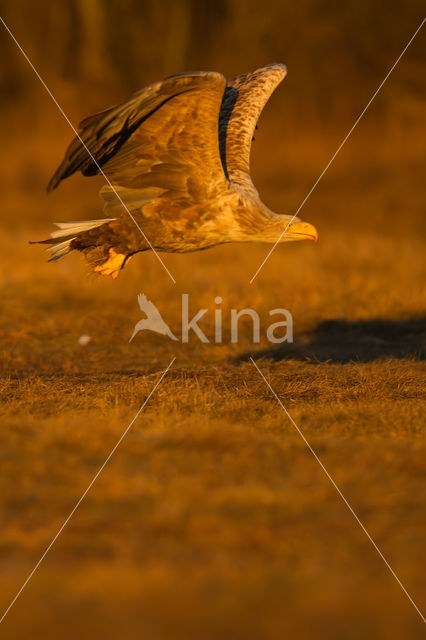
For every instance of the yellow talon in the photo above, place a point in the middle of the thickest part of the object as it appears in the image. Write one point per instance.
(112, 266)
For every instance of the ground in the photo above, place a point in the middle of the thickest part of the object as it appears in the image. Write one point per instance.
(213, 519)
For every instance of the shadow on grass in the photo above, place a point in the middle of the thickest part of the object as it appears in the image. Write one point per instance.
(362, 341)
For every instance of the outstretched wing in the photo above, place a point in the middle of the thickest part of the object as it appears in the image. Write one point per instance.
(243, 101)
(164, 138)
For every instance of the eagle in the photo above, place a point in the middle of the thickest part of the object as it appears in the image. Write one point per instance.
(176, 156)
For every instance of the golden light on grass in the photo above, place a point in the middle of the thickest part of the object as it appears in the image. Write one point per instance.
(213, 515)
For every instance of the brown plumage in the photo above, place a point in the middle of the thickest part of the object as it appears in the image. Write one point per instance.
(177, 157)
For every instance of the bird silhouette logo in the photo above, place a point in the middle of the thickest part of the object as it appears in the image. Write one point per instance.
(153, 320)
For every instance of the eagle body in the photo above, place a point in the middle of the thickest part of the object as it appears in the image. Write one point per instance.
(176, 160)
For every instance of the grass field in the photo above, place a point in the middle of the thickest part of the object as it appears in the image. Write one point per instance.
(213, 519)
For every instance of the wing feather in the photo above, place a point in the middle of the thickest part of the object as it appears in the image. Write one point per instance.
(156, 139)
(243, 101)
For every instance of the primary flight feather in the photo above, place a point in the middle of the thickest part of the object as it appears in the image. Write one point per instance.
(177, 154)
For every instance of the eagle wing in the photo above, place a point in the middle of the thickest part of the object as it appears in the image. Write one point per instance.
(243, 101)
(163, 140)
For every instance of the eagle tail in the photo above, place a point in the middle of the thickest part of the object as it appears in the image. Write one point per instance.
(60, 240)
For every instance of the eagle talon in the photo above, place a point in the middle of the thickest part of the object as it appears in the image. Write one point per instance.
(112, 266)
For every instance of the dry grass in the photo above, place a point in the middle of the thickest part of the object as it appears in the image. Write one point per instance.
(213, 520)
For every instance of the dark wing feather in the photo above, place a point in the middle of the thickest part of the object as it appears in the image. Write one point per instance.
(164, 131)
(242, 103)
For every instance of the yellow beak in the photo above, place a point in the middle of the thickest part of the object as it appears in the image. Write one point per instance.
(302, 231)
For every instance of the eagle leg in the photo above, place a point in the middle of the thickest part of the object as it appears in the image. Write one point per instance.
(113, 265)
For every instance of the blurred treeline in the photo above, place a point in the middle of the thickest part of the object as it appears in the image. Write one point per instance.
(92, 48)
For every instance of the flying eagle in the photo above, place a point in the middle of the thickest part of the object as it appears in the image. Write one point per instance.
(176, 154)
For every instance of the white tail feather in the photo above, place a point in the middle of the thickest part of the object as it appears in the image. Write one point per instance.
(70, 230)
(73, 228)
(59, 250)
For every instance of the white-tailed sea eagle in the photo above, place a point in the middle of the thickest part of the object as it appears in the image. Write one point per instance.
(177, 154)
